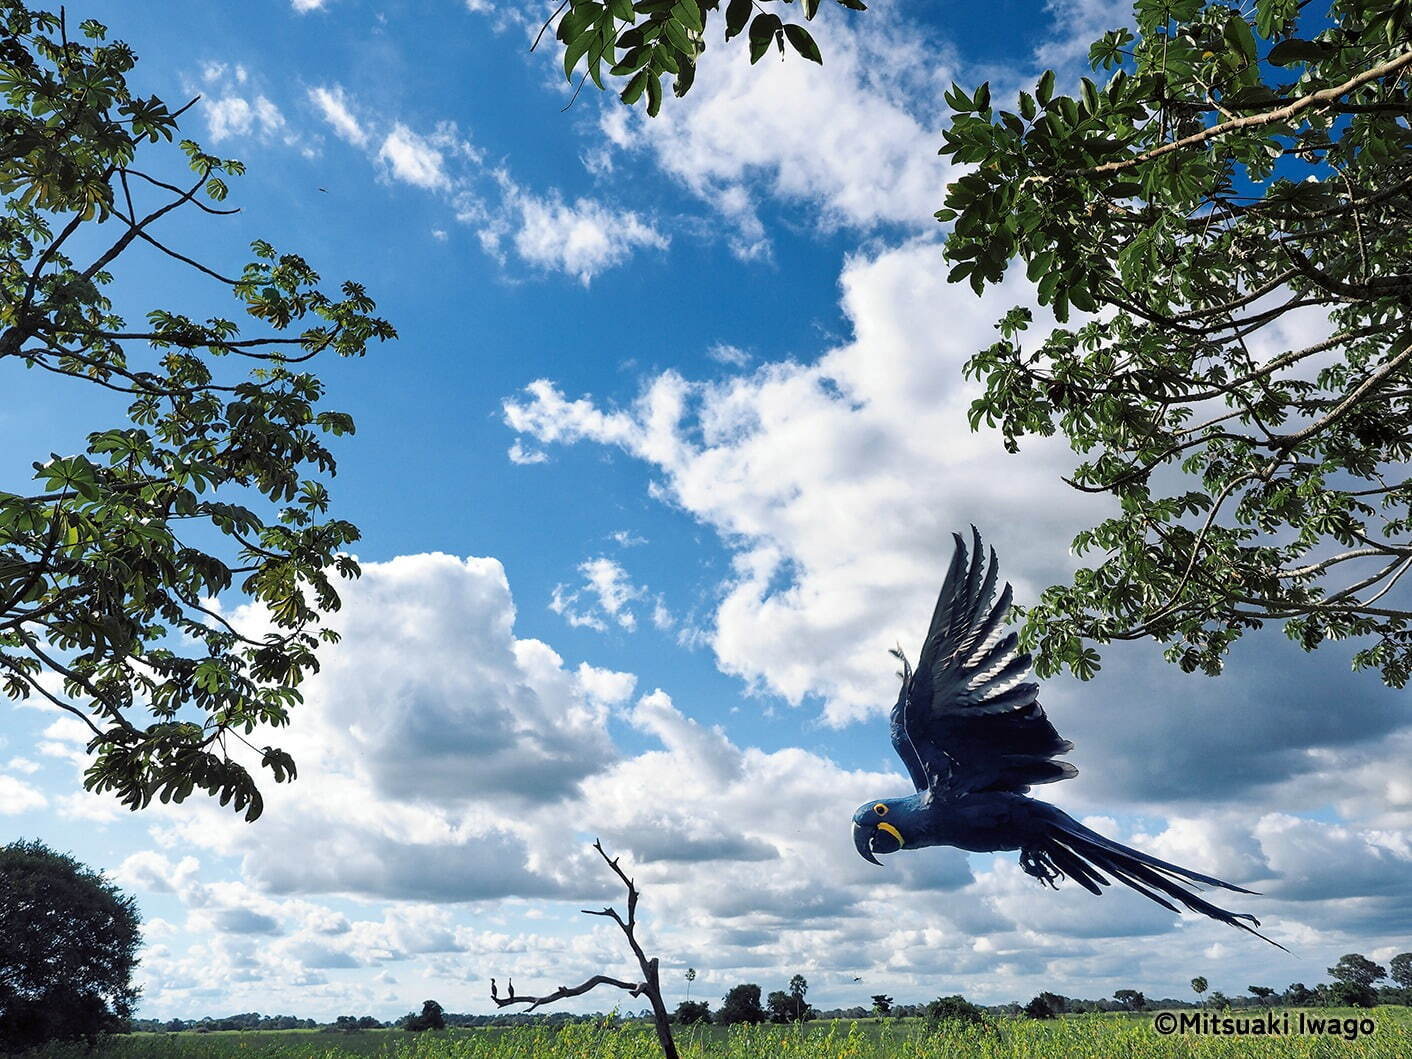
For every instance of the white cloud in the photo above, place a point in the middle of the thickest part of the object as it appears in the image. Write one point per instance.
(607, 589)
(305, 6)
(22, 764)
(856, 139)
(837, 483)
(151, 871)
(525, 456)
(232, 116)
(582, 238)
(333, 105)
(95, 808)
(17, 796)
(725, 353)
(413, 159)
(1081, 22)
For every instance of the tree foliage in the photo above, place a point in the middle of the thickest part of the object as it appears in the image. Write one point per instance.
(690, 1012)
(782, 1007)
(215, 482)
(741, 1004)
(1400, 969)
(1131, 999)
(1262, 993)
(1356, 968)
(431, 1017)
(1229, 214)
(1198, 985)
(637, 43)
(68, 948)
(1352, 995)
(1039, 1008)
(955, 1008)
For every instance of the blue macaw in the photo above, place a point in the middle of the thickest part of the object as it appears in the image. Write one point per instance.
(974, 738)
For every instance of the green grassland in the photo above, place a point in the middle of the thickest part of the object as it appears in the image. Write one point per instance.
(1098, 1036)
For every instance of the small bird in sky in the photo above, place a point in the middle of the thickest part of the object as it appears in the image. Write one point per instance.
(973, 736)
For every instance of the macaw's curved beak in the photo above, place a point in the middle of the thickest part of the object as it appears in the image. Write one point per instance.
(863, 840)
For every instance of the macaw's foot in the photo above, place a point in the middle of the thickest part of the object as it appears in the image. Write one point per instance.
(1036, 863)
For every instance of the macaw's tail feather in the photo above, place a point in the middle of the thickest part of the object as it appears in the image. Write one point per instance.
(1067, 848)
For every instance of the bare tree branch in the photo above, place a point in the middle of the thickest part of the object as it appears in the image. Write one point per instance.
(650, 986)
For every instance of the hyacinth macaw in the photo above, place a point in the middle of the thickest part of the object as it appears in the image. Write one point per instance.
(974, 738)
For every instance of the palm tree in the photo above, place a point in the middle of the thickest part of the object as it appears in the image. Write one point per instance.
(690, 977)
(1198, 984)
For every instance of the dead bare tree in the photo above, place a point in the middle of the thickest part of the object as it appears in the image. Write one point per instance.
(649, 987)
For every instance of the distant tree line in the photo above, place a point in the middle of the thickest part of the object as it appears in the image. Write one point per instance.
(251, 1020)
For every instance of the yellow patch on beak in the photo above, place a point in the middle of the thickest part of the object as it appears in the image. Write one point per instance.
(893, 832)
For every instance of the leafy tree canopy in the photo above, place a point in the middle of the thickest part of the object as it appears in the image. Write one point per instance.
(1356, 968)
(1230, 213)
(1400, 968)
(1131, 999)
(216, 479)
(1039, 1008)
(955, 1008)
(690, 1012)
(741, 1004)
(68, 947)
(431, 1017)
(639, 42)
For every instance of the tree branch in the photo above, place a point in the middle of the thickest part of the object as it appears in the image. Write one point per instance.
(650, 986)
(635, 988)
(1324, 97)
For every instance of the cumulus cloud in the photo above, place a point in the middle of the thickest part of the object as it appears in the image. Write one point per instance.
(835, 483)
(444, 761)
(17, 796)
(856, 140)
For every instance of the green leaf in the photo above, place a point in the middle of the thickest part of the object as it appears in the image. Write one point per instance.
(763, 28)
(1289, 52)
(1044, 90)
(689, 15)
(576, 50)
(635, 87)
(737, 15)
(803, 43)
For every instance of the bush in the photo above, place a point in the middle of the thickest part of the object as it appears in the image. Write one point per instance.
(431, 1018)
(1353, 995)
(68, 946)
(690, 1012)
(955, 1009)
(1039, 1008)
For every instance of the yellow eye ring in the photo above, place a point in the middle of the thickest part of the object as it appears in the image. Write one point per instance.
(880, 809)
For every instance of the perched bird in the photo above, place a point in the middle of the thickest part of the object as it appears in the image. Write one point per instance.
(974, 738)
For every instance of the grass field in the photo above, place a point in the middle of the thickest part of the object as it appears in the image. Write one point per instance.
(1090, 1036)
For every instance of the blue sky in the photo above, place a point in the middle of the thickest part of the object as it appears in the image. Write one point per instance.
(666, 457)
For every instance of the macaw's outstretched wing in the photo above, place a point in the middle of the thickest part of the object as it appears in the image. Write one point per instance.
(967, 720)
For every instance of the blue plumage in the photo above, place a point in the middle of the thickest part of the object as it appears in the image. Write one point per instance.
(974, 738)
